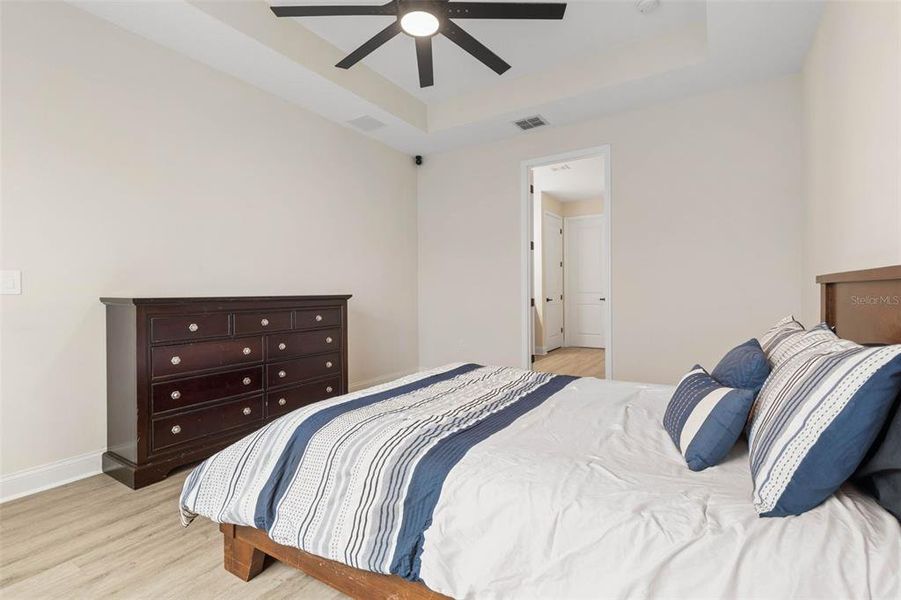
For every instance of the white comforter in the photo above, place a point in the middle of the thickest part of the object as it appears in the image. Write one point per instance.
(586, 496)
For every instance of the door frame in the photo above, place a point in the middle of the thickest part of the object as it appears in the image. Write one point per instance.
(526, 275)
(567, 276)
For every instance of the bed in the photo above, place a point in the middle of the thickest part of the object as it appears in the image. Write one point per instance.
(473, 481)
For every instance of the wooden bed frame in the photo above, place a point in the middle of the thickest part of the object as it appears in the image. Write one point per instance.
(863, 306)
(246, 549)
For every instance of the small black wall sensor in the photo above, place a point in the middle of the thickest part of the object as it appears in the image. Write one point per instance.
(418, 159)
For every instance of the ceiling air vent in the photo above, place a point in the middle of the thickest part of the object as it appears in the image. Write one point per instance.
(366, 123)
(530, 122)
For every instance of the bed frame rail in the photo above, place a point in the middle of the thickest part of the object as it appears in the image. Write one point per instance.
(246, 550)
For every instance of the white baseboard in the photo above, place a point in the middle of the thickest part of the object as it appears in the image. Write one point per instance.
(37, 479)
(354, 386)
(540, 351)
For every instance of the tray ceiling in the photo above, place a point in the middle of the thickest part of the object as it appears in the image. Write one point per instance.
(603, 57)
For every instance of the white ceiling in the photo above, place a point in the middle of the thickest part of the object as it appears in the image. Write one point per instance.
(572, 180)
(589, 29)
(603, 57)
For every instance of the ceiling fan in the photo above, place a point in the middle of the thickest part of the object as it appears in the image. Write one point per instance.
(423, 19)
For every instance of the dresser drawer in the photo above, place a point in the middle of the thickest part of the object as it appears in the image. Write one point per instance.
(185, 358)
(286, 400)
(300, 369)
(308, 319)
(188, 426)
(257, 322)
(194, 390)
(188, 327)
(284, 345)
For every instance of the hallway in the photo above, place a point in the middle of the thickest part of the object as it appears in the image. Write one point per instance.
(584, 362)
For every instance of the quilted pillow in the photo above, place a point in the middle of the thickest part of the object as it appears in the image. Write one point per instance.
(704, 418)
(744, 367)
(814, 420)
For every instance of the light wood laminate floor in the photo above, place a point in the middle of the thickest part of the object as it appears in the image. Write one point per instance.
(96, 538)
(584, 362)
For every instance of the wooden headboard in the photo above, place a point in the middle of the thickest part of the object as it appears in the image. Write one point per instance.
(863, 306)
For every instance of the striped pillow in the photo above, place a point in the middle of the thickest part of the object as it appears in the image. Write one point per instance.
(788, 337)
(779, 336)
(704, 418)
(814, 420)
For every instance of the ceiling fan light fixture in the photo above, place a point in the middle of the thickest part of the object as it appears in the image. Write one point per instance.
(419, 23)
(424, 19)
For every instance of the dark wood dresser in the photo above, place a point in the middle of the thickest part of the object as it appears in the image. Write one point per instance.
(188, 376)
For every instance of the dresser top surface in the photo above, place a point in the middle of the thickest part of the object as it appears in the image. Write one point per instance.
(208, 299)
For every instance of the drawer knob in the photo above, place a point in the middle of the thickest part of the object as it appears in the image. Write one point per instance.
(176, 429)
(328, 340)
(329, 389)
(175, 395)
(264, 322)
(318, 317)
(246, 381)
(246, 351)
(193, 327)
(282, 374)
(282, 401)
(328, 364)
(247, 410)
(176, 360)
(282, 346)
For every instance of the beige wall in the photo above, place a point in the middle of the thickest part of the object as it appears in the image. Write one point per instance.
(130, 170)
(707, 209)
(582, 208)
(852, 142)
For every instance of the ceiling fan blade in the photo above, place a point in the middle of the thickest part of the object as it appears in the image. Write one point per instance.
(454, 33)
(424, 61)
(505, 10)
(374, 42)
(334, 11)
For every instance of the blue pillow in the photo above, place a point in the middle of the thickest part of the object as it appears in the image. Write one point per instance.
(743, 367)
(815, 419)
(704, 418)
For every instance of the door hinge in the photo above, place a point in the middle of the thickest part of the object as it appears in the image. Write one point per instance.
(531, 245)
(561, 296)
(561, 232)
(531, 189)
(532, 302)
(561, 263)
(561, 330)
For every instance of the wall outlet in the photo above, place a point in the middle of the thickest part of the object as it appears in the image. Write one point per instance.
(10, 282)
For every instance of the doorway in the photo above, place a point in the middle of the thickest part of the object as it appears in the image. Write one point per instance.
(568, 205)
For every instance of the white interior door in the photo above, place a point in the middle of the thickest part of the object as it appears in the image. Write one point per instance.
(586, 282)
(552, 272)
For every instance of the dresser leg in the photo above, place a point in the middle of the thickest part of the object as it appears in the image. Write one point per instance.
(135, 476)
(241, 558)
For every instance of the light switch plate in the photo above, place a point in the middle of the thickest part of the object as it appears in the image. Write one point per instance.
(10, 282)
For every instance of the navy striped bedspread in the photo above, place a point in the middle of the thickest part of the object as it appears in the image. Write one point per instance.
(356, 479)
